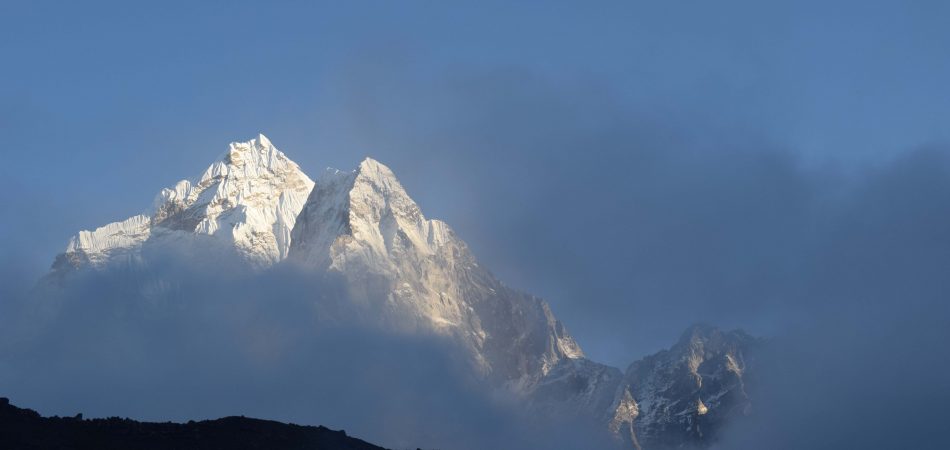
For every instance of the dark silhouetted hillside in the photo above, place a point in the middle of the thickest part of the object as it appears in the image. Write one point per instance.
(26, 429)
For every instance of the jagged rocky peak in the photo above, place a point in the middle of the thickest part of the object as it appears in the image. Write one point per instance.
(250, 198)
(683, 396)
(375, 214)
(700, 335)
(247, 200)
(415, 274)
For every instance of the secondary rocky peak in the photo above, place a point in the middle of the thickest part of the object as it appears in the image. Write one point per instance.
(414, 273)
(382, 180)
(371, 210)
(702, 342)
(685, 394)
(376, 190)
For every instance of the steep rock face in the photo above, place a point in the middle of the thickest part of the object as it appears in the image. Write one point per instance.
(415, 274)
(577, 389)
(682, 397)
(246, 201)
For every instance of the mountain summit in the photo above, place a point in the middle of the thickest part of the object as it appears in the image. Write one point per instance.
(414, 273)
(246, 201)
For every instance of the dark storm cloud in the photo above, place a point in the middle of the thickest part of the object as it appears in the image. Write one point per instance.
(635, 224)
(868, 367)
(632, 223)
(639, 166)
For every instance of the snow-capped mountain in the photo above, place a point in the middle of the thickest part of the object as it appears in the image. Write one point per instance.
(401, 270)
(414, 273)
(405, 273)
(247, 201)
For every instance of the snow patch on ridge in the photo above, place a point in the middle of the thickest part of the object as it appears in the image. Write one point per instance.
(124, 234)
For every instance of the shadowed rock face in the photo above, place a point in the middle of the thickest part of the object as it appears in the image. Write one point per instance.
(682, 397)
(415, 274)
(26, 429)
(676, 398)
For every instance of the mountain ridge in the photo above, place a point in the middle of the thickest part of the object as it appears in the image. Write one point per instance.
(406, 273)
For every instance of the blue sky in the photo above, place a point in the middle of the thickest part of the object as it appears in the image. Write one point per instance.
(515, 123)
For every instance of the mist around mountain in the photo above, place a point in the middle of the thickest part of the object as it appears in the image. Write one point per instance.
(345, 305)
(374, 324)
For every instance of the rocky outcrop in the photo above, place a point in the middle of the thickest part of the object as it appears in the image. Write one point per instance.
(682, 397)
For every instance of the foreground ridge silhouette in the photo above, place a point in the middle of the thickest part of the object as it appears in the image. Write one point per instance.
(26, 429)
